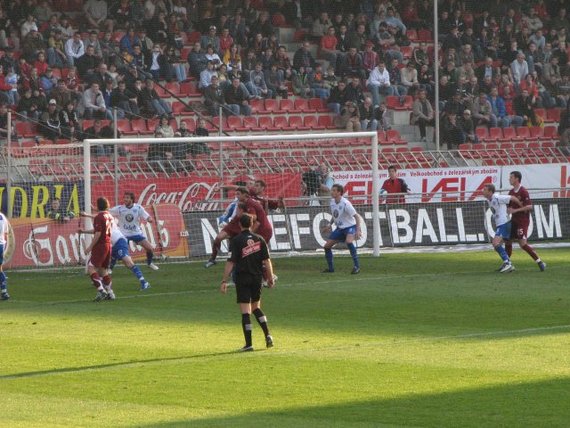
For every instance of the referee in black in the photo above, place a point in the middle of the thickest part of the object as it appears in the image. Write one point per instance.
(250, 257)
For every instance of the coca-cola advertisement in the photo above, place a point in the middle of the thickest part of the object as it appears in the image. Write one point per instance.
(45, 242)
(196, 193)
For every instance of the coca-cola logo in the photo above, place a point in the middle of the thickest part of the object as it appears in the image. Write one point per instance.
(196, 197)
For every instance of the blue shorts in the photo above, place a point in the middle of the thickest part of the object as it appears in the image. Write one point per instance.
(504, 231)
(136, 238)
(340, 234)
(120, 249)
(1, 254)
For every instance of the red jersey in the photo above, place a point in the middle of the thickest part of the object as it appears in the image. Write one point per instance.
(101, 253)
(395, 186)
(521, 218)
(255, 208)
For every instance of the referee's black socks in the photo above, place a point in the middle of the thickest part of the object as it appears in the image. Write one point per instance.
(246, 325)
(262, 320)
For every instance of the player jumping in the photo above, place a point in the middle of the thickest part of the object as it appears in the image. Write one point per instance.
(520, 219)
(498, 204)
(129, 217)
(348, 228)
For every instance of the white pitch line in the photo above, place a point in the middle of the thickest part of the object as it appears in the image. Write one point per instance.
(284, 352)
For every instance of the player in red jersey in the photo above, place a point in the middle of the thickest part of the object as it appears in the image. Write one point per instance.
(394, 185)
(257, 192)
(520, 219)
(100, 249)
(261, 224)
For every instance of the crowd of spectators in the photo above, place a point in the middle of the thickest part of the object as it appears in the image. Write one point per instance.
(498, 60)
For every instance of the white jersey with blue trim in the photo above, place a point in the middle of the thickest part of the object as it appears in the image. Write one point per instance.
(3, 229)
(343, 213)
(116, 234)
(130, 218)
(498, 204)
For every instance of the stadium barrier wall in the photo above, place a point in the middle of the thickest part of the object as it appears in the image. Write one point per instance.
(401, 225)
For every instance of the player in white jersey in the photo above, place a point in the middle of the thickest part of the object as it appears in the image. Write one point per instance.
(498, 204)
(120, 251)
(348, 227)
(129, 217)
(4, 228)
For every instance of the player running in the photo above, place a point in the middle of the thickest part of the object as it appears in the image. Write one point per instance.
(520, 219)
(348, 228)
(4, 227)
(498, 204)
(100, 249)
(129, 217)
(120, 251)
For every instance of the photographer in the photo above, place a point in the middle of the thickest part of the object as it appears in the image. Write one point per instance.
(317, 182)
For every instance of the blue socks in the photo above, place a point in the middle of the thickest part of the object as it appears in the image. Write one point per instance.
(149, 257)
(352, 249)
(3, 281)
(329, 257)
(137, 272)
(503, 253)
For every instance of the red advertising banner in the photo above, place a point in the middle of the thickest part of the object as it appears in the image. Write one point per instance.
(44, 242)
(190, 193)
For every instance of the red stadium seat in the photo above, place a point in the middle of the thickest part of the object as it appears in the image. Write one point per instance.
(495, 134)
(257, 106)
(541, 112)
(286, 106)
(550, 132)
(139, 126)
(482, 133)
(318, 104)
(173, 87)
(271, 106)
(425, 36)
(312, 122)
(509, 134)
(249, 123)
(407, 51)
(280, 123)
(124, 126)
(327, 122)
(189, 89)
(265, 123)
(553, 114)
(296, 122)
(302, 105)
(234, 123)
(523, 133)
(26, 129)
(537, 132)
(412, 35)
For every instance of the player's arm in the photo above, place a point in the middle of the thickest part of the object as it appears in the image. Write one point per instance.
(145, 216)
(96, 237)
(515, 200)
(358, 220)
(268, 266)
(84, 214)
(227, 272)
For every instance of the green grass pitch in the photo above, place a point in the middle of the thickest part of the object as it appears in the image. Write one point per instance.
(415, 340)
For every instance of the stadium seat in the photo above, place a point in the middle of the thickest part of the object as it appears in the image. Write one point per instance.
(286, 106)
(482, 133)
(541, 112)
(296, 122)
(553, 115)
(393, 136)
(425, 36)
(465, 146)
(139, 126)
(161, 92)
(266, 123)
(550, 132)
(249, 123)
(124, 126)
(311, 122)
(495, 134)
(407, 51)
(523, 133)
(280, 123)
(270, 106)
(509, 134)
(189, 89)
(173, 87)
(257, 106)
(178, 108)
(234, 123)
(318, 104)
(537, 132)
(26, 129)
(302, 105)
(327, 122)
(412, 35)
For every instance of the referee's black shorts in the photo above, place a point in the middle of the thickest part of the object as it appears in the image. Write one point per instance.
(248, 288)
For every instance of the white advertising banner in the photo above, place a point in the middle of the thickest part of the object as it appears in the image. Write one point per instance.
(459, 184)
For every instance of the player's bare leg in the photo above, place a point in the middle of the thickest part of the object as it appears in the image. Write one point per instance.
(216, 246)
(149, 253)
(530, 251)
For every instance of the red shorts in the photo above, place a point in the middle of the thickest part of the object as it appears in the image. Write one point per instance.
(232, 229)
(101, 256)
(519, 230)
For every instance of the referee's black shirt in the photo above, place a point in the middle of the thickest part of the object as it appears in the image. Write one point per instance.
(248, 251)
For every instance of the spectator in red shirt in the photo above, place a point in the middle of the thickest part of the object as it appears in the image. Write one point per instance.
(395, 186)
(328, 44)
